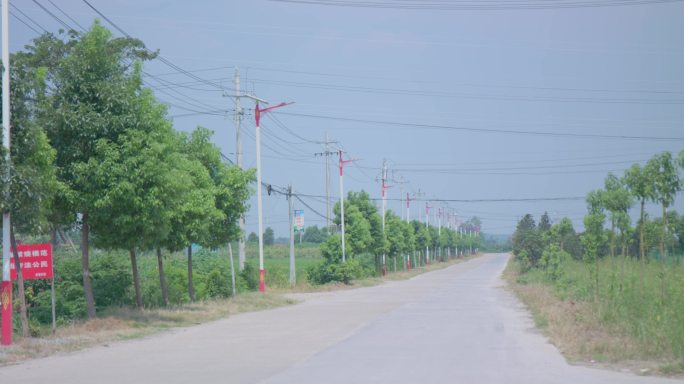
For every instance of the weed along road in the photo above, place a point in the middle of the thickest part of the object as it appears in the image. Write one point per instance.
(455, 325)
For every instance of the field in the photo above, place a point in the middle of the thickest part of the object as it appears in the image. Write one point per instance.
(636, 317)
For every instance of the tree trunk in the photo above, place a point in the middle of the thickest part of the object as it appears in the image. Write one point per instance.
(25, 331)
(85, 264)
(612, 238)
(395, 263)
(662, 251)
(162, 278)
(136, 279)
(191, 287)
(642, 251)
(53, 238)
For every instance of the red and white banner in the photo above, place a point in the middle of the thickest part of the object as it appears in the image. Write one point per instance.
(35, 260)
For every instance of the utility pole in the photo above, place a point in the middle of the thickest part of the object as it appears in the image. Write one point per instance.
(384, 187)
(327, 184)
(293, 276)
(439, 232)
(238, 161)
(341, 164)
(327, 153)
(408, 221)
(6, 287)
(427, 227)
(408, 208)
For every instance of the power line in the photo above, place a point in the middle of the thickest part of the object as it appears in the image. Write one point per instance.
(443, 94)
(65, 25)
(478, 5)
(161, 58)
(27, 17)
(472, 129)
(25, 23)
(65, 14)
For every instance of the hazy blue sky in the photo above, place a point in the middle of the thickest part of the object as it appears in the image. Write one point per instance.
(607, 71)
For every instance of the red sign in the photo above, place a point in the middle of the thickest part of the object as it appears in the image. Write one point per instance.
(35, 260)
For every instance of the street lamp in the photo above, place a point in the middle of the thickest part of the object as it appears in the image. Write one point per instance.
(257, 115)
(6, 286)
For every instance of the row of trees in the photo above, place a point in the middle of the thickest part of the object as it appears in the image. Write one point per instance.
(608, 225)
(412, 242)
(92, 149)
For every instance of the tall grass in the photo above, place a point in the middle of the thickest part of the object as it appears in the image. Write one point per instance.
(644, 302)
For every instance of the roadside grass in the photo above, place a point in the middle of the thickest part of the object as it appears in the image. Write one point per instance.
(635, 322)
(125, 323)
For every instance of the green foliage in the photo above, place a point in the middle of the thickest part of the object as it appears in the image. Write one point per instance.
(249, 278)
(527, 238)
(327, 272)
(551, 261)
(629, 300)
(269, 236)
(312, 234)
(112, 281)
(215, 285)
(252, 238)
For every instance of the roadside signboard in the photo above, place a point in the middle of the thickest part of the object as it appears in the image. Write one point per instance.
(299, 220)
(35, 260)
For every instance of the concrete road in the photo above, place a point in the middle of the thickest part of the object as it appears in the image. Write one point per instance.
(456, 325)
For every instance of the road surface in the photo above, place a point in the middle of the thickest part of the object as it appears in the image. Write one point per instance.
(455, 325)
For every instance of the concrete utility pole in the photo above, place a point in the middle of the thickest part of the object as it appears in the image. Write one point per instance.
(327, 153)
(408, 208)
(439, 232)
(293, 273)
(328, 211)
(341, 164)
(383, 268)
(238, 161)
(6, 287)
(427, 227)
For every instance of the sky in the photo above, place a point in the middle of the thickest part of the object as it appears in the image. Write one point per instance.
(452, 100)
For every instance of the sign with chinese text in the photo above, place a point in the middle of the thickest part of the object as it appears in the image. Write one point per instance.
(35, 260)
(299, 220)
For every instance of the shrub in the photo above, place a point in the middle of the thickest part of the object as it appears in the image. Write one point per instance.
(112, 281)
(551, 261)
(327, 272)
(248, 278)
(217, 284)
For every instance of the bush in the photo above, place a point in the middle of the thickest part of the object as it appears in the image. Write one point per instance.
(217, 285)
(69, 303)
(327, 272)
(551, 261)
(112, 281)
(248, 278)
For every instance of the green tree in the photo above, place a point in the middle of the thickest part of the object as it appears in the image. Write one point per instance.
(593, 234)
(269, 236)
(395, 236)
(378, 244)
(252, 238)
(94, 89)
(544, 223)
(639, 183)
(409, 240)
(528, 240)
(666, 185)
(313, 234)
(617, 200)
(32, 182)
